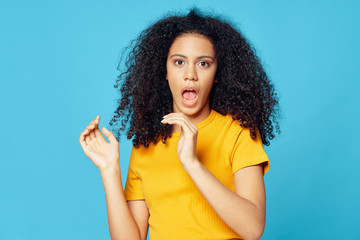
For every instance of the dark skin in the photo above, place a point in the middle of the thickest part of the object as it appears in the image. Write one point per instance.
(242, 210)
(242, 88)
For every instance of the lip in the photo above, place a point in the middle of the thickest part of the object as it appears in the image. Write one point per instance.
(189, 103)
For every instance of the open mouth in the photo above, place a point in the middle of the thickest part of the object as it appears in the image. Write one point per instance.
(189, 96)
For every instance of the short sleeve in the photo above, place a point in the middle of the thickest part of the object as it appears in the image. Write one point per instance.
(248, 152)
(133, 186)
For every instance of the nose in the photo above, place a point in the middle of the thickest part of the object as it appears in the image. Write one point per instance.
(190, 73)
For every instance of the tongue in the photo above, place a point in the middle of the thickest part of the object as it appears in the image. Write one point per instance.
(189, 95)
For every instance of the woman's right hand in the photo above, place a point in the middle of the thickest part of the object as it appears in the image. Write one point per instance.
(103, 154)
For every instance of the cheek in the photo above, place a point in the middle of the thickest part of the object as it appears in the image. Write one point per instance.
(210, 79)
(208, 85)
(208, 89)
(172, 84)
(173, 79)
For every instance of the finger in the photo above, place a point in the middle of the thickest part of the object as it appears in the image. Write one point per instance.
(85, 132)
(87, 139)
(184, 125)
(109, 135)
(97, 118)
(175, 114)
(82, 140)
(96, 121)
(99, 136)
(90, 127)
(92, 135)
(178, 121)
(98, 133)
(187, 121)
(172, 114)
(179, 115)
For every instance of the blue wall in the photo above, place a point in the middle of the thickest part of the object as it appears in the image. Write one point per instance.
(58, 64)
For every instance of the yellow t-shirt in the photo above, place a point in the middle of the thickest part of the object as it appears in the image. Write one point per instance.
(177, 208)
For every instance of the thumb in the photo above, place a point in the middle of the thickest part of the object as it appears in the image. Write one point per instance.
(109, 135)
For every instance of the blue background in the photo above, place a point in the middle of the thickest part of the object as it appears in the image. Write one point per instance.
(58, 64)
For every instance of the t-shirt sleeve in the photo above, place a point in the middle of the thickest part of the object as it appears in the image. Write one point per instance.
(133, 186)
(248, 152)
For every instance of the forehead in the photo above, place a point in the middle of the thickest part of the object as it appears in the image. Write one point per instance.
(192, 44)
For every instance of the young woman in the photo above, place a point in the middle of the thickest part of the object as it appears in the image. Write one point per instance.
(199, 107)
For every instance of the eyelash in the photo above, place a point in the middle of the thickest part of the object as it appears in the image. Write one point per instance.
(177, 62)
(201, 63)
(207, 64)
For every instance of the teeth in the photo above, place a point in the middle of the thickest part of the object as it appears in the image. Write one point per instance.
(189, 90)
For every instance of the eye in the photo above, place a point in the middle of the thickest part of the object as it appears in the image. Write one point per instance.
(204, 64)
(179, 62)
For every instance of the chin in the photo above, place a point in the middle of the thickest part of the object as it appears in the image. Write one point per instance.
(192, 111)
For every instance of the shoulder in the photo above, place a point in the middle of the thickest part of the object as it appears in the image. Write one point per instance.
(137, 154)
(227, 124)
(233, 133)
(141, 149)
(222, 130)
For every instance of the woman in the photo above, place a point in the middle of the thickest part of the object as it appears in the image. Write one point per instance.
(199, 106)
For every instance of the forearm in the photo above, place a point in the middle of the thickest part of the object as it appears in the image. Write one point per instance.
(121, 222)
(240, 214)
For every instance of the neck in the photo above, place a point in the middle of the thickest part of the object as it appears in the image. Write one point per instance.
(195, 119)
(200, 116)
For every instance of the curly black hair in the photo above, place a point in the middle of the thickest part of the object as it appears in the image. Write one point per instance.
(242, 89)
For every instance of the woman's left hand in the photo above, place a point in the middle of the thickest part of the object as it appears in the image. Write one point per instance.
(186, 148)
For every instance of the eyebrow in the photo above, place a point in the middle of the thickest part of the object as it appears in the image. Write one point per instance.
(183, 56)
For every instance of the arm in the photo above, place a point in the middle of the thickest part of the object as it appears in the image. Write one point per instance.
(140, 212)
(123, 220)
(127, 220)
(242, 210)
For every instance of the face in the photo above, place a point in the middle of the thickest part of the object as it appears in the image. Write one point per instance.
(191, 68)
